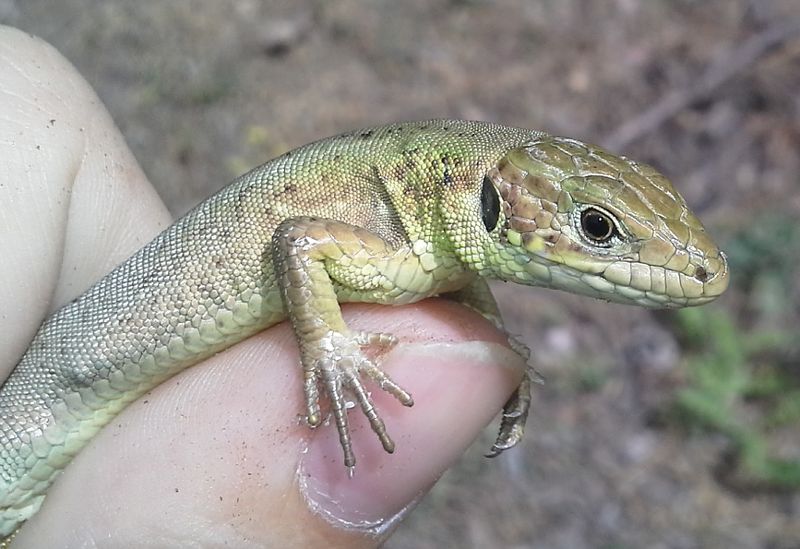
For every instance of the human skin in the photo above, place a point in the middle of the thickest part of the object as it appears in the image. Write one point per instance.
(217, 455)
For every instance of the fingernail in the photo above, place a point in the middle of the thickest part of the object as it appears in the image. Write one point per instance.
(458, 388)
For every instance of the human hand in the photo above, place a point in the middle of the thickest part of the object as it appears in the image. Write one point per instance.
(216, 455)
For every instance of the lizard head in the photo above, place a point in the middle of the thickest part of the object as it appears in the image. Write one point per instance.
(571, 216)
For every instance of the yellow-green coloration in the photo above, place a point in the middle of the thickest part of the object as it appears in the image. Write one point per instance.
(656, 252)
(390, 215)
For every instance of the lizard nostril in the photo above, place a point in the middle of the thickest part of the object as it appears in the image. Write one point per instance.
(701, 274)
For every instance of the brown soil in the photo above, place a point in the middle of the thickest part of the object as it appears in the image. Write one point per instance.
(707, 91)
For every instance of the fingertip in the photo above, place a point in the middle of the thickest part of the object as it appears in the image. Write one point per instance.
(459, 386)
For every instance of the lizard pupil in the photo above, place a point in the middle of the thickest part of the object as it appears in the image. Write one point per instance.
(597, 226)
(490, 204)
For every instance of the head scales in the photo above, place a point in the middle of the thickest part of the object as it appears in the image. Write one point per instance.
(656, 254)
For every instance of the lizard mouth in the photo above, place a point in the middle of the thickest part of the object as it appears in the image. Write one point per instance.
(698, 284)
(641, 284)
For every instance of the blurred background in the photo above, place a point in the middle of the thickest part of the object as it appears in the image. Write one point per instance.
(664, 430)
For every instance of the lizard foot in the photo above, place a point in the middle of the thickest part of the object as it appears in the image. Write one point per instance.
(515, 410)
(339, 373)
(515, 414)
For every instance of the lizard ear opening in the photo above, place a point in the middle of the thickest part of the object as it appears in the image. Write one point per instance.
(490, 204)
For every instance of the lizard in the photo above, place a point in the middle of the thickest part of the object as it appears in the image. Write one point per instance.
(391, 215)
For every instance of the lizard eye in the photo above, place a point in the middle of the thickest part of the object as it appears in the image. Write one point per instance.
(490, 204)
(597, 226)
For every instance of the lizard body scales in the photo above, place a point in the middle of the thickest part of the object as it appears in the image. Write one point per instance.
(391, 215)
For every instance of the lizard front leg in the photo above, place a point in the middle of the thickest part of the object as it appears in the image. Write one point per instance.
(303, 251)
(478, 297)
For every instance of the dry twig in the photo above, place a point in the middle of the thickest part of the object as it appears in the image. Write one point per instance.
(725, 67)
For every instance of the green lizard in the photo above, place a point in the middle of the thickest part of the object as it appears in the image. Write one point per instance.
(392, 215)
